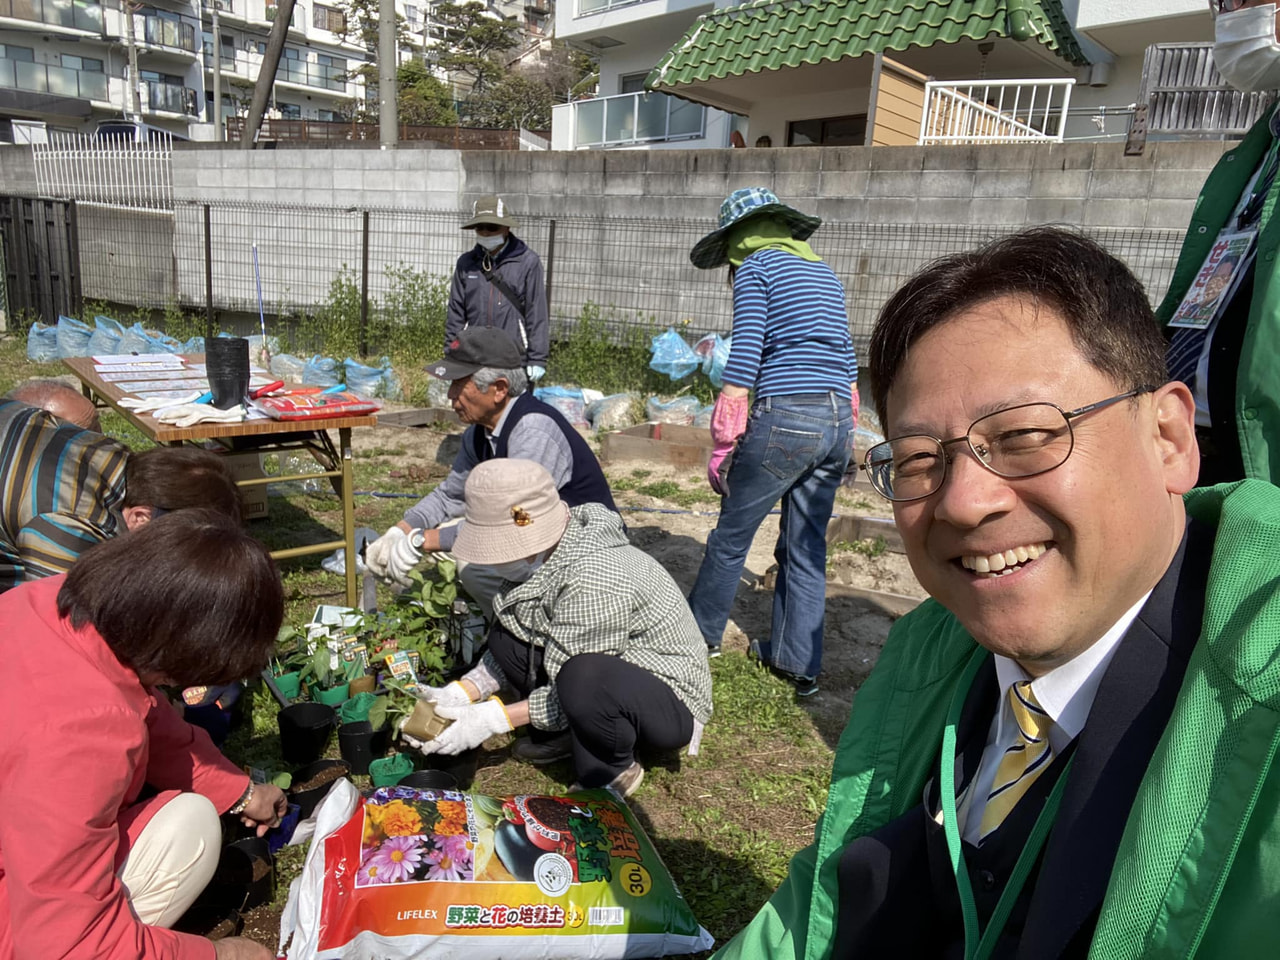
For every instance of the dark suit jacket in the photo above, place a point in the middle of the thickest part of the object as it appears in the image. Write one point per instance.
(897, 894)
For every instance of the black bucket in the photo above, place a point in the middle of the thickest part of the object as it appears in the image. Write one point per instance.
(360, 744)
(430, 780)
(307, 799)
(304, 731)
(247, 866)
(227, 365)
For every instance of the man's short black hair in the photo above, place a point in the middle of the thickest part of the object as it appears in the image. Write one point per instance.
(1100, 300)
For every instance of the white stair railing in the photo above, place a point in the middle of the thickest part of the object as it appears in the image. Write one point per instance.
(995, 111)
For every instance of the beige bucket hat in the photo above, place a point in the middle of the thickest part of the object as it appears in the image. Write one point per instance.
(512, 511)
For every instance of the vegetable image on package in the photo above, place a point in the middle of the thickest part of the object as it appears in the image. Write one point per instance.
(404, 872)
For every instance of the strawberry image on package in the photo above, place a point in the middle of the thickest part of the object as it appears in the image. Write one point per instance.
(404, 872)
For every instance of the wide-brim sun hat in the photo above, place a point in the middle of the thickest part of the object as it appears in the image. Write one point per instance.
(513, 511)
(490, 209)
(713, 249)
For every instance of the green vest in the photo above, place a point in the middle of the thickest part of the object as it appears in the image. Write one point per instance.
(1257, 397)
(1199, 864)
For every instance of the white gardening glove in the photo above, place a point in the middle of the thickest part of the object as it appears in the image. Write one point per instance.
(450, 695)
(393, 555)
(473, 724)
(536, 372)
(138, 405)
(189, 414)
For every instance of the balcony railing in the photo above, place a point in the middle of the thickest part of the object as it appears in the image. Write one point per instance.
(169, 98)
(313, 75)
(61, 81)
(995, 111)
(636, 118)
(74, 14)
(160, 32)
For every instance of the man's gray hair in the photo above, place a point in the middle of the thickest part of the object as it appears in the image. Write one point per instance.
(37, 391)
(486, 377)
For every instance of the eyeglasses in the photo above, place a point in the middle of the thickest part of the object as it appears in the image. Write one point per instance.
(1017, 442)
(1226, 6)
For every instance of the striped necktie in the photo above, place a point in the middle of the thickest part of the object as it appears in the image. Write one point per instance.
(1023, 762)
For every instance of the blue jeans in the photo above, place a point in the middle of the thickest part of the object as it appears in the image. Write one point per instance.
(796, 449)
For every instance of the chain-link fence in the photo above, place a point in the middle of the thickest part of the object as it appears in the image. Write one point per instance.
(635, 271)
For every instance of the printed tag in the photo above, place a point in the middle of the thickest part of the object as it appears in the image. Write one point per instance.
(1216, 282)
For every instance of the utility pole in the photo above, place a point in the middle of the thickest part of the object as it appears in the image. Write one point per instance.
(217, 73)
(266, 75)
(134, 97)
(387, 56)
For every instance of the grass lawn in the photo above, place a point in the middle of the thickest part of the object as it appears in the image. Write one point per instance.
(726, 822)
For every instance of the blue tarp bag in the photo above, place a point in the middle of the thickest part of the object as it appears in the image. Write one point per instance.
(42, 343)
(73, 337)
(105, 340)
(673, 356)
(379, 381)
(321, 372)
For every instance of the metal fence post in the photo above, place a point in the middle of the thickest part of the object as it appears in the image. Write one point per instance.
(208, 273)
(364, 285)
(551, 261)
(73, 258)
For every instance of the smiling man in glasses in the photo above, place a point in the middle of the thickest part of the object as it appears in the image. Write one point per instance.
(1067, 751)
(1227, 348)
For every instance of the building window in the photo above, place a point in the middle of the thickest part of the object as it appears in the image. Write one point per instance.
(290, 111)
(327, 18)
(631, 82)
(850, 131)
(329, 116)
(260, 47)
(88, 64)
(9, 52)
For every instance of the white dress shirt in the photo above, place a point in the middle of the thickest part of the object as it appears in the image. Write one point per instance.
(1065, 693)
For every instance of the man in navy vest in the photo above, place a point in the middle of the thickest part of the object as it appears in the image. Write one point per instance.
(489, 391)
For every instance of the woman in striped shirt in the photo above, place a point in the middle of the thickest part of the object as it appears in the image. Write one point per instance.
(792, 441)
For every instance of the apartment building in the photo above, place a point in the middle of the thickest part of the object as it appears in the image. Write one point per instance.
(64, 64)
(809, 74)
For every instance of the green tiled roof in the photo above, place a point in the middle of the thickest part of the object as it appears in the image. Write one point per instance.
(772, 34)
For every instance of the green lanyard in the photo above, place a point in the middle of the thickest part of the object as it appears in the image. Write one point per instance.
(975, 948)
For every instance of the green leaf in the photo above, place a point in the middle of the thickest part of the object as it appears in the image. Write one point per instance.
(283, 780)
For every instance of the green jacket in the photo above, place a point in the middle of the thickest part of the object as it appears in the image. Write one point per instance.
(1198, 868)
(1257, 400)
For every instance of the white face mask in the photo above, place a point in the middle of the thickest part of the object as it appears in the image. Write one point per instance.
(517, 571)
(1245, 48)
(491, 242)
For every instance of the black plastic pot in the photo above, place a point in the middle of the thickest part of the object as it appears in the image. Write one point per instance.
(227, 365)
(307, 799)
(430, 780)
(304, 731)
(360, 744)
(461, 767)
(247, 866)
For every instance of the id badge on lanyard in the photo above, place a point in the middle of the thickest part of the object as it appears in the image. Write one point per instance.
(1215, 283)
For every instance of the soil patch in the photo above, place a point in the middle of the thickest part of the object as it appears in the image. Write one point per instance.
(328, 775)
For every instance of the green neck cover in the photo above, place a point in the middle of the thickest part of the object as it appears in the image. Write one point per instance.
(765, 233)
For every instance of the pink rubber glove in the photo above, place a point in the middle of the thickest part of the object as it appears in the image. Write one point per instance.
(853, 388)
(728, 423)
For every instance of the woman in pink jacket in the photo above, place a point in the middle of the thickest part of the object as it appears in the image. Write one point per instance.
(86, 869)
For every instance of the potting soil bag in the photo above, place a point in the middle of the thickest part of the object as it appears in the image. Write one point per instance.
(73, 338)
(672, 355)
(105, 339)
(405, 872)
(42, 343)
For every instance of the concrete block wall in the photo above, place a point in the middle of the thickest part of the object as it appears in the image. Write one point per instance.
(625, 220)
